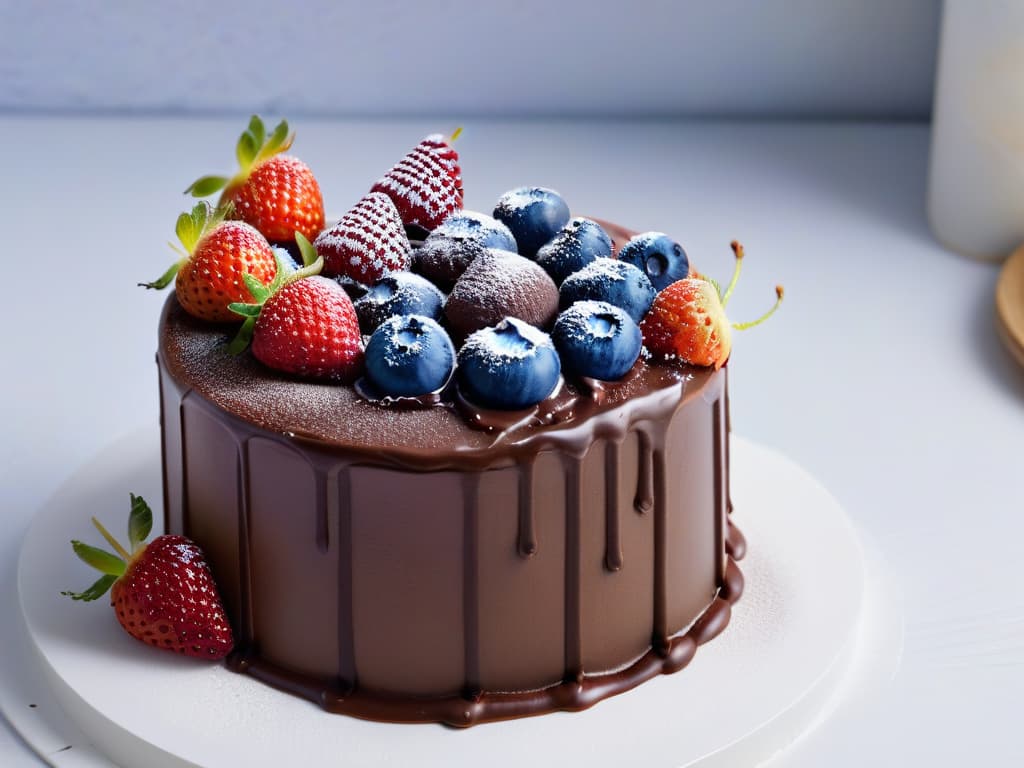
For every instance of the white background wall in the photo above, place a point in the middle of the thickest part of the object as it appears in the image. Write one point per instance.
(848, 58)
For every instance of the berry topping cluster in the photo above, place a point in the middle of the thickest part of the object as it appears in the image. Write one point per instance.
(494, 309)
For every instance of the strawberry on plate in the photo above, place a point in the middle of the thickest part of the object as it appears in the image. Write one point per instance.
(367, 243)
(274, 192)
(302, 323)
(163, 592)
(426, 184)
(687, 320)
(217, 254)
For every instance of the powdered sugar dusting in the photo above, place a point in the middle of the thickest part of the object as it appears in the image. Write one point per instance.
(509, 340)
(367, 243)
(426, 184)
(399, 293)
(498, 284)
(521, 198)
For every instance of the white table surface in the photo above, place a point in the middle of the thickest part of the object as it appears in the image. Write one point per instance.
(882, 374)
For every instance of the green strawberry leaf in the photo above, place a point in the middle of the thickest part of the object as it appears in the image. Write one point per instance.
(279, 141)
(246, 150)
(192, 225)
(278, 136)
(140, 521)
(99, 559)
(245, 310)
(165, 279)
(184, 228)
(259, 291)
(206, 186)
(306, 249)
(241, 341)
(94, 592)
(312, 264)
(259, 133)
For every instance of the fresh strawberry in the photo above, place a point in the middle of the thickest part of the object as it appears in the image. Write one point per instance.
(309, 328)
(274, 192)
(367, 243)
(217, 255)
(163, 592)
(687, 320)
(426, 184)
(302, 323)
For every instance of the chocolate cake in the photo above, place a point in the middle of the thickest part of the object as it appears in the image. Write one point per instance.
(437, 561)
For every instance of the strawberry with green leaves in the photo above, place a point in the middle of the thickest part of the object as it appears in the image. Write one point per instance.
(302, 323)
(687, 320)
(163, 592)
(217, 254)
(274, 192)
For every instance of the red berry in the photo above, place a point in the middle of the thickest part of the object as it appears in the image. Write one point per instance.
(309, 328)
(687, 322)
(217, 255)
(211, 278)
(274, 192)
(163, 593)
(167, 598)
(687, 319)
(367, 243)
(426, 184)
(280, 197)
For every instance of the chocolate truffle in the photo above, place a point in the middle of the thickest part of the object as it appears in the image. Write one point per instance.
(499, 284)
(462, 237)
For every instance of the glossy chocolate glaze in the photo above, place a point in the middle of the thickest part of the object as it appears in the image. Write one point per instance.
(447, 563)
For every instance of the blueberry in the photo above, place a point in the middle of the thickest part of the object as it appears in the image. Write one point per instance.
(660, 257)
(597, 339)
(291, 263)
(576, 245)
(400, 293)
(488, 231)
(409, 355)
(354, 289)
(534, 214)
(509, 366)
(616, 282)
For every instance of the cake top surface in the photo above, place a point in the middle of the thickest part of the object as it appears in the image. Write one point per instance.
(196, 356)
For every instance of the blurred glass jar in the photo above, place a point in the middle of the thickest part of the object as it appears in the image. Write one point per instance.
(976, 178)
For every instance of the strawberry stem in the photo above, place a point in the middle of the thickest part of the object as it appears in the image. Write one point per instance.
(778, 300)
(737, 250)
(307, 271)
(111, 540)
(455, 135)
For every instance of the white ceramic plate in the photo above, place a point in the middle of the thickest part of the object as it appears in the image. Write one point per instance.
(778, 669)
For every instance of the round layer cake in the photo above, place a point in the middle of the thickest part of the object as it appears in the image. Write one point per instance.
(444, 562)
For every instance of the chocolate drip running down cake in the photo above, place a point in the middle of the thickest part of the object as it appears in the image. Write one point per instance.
(451, 563)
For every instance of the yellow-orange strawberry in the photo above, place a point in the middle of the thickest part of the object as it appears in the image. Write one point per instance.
(274, 192)
(687, 320)
(217, 256)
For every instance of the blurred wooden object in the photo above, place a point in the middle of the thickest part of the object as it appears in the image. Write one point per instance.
(1010, 304)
